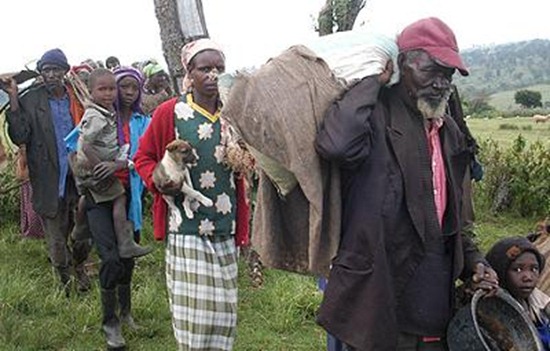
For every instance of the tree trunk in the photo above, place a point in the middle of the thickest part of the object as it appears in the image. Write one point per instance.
(174, 33)
(339, 15)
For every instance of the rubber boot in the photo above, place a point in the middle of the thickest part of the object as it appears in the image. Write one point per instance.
(125, 304)
(111, 323)
(64, 274)
(127, 247)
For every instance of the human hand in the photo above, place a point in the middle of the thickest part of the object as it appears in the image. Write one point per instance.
(104, 170)
(484, 278)
(9, 86)
(386, 74)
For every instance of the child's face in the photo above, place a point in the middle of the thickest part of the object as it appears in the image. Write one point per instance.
(104, 91)
(523, 275)
(129, 91)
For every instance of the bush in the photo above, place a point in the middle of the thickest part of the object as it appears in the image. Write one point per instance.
(528, 98)
(525, 112)
(516, 179)
(508, 126)
(9, 194)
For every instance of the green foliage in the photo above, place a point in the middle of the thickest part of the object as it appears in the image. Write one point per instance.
(516, 178)
(478, 106)
(508, 126)
(9, 194)
(525, 112)
(338, 15)
(504, 101)
(528, 98)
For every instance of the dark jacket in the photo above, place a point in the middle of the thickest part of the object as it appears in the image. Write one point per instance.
(389, 213)
(32, 125)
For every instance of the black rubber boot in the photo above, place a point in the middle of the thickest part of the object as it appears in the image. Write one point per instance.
(110, 323)
(125, 304)
(127, 247)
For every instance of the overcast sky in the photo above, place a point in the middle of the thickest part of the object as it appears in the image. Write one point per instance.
(250, 30)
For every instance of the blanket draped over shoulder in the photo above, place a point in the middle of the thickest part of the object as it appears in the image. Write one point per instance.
(278, 110)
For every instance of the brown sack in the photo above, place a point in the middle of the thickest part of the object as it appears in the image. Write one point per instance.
(278, 110)
(542, 243)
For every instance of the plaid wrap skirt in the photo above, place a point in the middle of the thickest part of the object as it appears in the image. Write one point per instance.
(201, 277)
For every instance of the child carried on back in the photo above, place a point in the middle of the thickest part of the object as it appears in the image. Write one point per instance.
(98, 157)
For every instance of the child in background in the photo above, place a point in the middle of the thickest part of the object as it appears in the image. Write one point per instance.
(518, 264)
(97, 158)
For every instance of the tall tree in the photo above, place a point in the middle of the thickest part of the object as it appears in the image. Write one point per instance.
(338, 15)
(180, 22)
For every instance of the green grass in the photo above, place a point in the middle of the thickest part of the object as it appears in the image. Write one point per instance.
(35, 315)
(504, 101)
(492, 128)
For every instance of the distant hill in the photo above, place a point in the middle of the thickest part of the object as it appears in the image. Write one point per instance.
(506, 67)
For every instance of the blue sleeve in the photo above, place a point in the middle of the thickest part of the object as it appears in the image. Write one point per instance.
(71, 140)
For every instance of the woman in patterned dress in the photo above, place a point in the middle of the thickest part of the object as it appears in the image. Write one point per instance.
(201, 254)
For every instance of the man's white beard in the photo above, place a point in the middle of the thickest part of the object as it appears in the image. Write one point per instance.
(431, 110)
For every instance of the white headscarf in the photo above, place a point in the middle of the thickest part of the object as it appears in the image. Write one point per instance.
(190, 50)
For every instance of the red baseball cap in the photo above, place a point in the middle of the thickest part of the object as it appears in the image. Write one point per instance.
(436, 38)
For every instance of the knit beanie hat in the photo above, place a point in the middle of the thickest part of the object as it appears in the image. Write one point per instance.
(53, 57)
(507, 250)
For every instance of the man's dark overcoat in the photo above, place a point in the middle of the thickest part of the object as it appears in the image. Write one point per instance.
(378, 137)
(33, 126)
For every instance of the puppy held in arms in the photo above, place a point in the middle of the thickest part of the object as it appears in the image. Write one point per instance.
(174, 169)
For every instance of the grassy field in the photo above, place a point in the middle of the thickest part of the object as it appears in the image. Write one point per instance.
(279, 316)
(504, 100)
(506, 130)
(35, 315)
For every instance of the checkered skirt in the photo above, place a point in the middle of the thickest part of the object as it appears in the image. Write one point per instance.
(201, 276)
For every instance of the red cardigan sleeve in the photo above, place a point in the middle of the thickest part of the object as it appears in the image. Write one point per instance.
(151, 148)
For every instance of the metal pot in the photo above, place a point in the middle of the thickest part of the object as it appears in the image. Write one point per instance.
(492, 324)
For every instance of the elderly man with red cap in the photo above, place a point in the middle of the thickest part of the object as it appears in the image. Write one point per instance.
(403, 161)
(40, 120)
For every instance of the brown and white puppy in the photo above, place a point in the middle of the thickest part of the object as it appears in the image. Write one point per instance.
(174, 169)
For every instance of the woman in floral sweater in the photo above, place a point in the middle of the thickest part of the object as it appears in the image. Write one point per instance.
(201, 254)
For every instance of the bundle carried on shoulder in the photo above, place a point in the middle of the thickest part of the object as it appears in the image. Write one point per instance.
(541, 239)
(278, 109)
